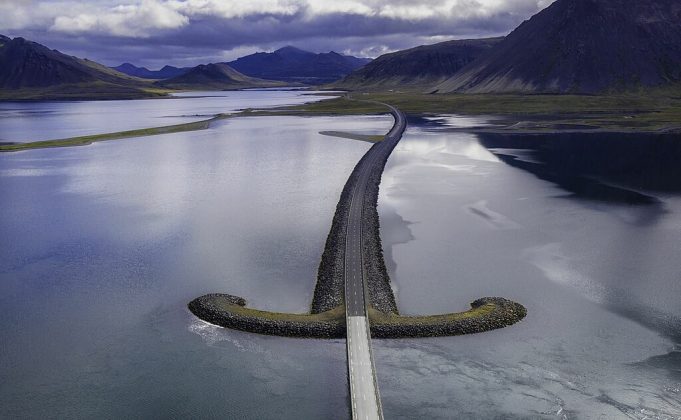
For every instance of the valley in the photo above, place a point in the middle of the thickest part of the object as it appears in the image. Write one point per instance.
(271, 209)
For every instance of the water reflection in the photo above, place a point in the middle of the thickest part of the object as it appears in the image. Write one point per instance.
(605, 167)
(104, 245)
(589, 248)
(20, 122)
(598, 166)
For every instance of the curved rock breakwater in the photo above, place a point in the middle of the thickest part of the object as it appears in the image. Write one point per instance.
(327, 315)
(486, 314)
(230, 312)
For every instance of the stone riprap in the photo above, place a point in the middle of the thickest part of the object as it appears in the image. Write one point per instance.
(327, 315)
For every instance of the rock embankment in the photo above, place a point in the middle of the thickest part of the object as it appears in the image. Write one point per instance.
(328, 292)
(486, 314)
(229, 311)
(327, 316)
(330, 275)
(381, 294)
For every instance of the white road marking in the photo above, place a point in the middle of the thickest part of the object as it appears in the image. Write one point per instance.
(358, 332)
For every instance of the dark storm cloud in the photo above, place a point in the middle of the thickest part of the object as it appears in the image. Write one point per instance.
(155, 32)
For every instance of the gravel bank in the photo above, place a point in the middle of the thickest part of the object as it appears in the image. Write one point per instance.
(327, 315)
(229, 311)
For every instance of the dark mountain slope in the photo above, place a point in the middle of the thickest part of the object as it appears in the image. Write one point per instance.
(582, 46)
(29, 70)
(29, 64)
(165, 73)
(290, 64)
(421, 66)
(215, 76)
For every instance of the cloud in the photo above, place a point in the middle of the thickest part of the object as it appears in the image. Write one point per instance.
(237, 9)
(125, 20)
(187, 32)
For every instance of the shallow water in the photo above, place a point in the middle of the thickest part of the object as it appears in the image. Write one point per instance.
(30, 121)
(104, 245)
(599, 277)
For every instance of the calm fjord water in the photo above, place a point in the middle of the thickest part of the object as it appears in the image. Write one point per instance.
(31, 121)
(104, 245)
(593, 254)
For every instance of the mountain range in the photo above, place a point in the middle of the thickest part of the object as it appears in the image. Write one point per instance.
(293, 65)
(582, 46)
(426, 65)
(165, 73)
(287, 64)
(215, 76)
(29, 70)
(572, 46)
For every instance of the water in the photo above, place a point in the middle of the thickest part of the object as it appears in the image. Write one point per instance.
(104, 245)
(23, 122)
(593, 254)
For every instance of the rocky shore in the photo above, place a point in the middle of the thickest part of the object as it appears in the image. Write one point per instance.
(486, 314)
(329, 291)
(229, 311)
(330, 275)
(381, 294)
(327, 315)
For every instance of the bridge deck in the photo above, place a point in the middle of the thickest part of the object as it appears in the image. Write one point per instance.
(364, 395)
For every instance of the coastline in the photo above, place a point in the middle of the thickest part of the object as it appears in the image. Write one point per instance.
(522, 114)
(119, 135)
(327, 315)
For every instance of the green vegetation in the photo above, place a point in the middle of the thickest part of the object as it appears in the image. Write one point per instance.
(231, 312)
(353, 136)
(86, 91)
(327, 321)
(345, 105)
(650, 110)
(390, 319)
(337, 314)
(656, 110)
(192, 126)
(85, 140)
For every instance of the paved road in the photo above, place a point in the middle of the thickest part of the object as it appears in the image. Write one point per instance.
(364, 395)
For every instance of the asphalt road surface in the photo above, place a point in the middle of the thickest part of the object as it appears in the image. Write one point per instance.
(364, 395)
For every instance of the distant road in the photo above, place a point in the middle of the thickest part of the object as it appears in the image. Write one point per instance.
(364, 395)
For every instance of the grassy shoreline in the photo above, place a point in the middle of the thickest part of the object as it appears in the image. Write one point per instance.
(175, 128)
(353, 136)
(88, 91)
(86, 140)
(656, 112)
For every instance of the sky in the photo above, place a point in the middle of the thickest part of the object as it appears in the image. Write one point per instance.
(153, 33)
